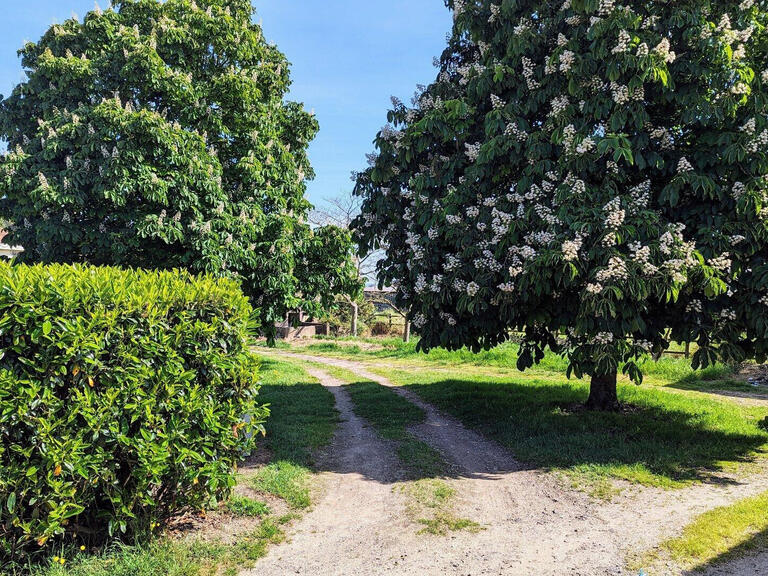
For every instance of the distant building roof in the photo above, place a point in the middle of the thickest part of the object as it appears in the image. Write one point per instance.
(6, 250)
(375, 290)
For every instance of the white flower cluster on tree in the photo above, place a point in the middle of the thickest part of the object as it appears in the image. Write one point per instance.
(598, 169)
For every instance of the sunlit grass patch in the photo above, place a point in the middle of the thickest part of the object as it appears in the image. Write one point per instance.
(720, 535)
(431, 503)
(246, 507)
(285, 480)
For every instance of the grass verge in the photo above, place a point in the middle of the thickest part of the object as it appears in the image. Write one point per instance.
(719, 536)
(303, 420)
(169, 557)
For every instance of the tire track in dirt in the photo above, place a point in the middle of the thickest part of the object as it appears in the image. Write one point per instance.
(358, 508)
(532, 524)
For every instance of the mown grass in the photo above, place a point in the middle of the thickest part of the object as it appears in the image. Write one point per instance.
(303, 420)
(661, 439)
(672, 371)
(721, 535)
(169, 557)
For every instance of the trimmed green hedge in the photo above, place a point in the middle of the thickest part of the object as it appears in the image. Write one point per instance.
(122, 401)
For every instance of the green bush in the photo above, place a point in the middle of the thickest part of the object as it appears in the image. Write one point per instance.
(122, 401)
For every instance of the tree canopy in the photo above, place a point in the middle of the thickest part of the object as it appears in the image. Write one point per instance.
(591, 173)
(157, 134)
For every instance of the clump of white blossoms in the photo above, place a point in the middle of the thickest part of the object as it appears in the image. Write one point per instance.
(571, 249)
(614, 214)
(684, 166)
(590, 181)
(594, 288)
(622, 45)
(663, 50)
(567, 58)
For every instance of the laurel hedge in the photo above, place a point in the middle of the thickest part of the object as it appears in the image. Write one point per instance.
(126, 398)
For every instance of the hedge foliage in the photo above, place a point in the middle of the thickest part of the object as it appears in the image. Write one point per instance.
(122, 401)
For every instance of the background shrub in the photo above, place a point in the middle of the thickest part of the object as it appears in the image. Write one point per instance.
(122, 397)
(379, 329)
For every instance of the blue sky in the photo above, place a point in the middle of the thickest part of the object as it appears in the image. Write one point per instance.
(348, 56)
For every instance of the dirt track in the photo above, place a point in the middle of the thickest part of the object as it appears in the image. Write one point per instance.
(531, 523)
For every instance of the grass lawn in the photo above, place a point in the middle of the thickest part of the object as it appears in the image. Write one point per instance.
(668, 371)
(722, 534)
(168, 557)
(303, 420)
(671, 433)
(662, 439)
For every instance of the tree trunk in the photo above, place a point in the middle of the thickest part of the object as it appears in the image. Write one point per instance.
(407, 331)
(602, 393)
(354, 319)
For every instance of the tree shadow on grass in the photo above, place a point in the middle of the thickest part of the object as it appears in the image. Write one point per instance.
(659, 439)
(746, 559)
(303, 415)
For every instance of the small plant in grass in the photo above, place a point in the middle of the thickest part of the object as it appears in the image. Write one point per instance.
(589, 173)
(247, 507)
(431, 503)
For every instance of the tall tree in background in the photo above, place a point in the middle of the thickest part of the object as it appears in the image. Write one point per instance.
(589, 172)
(341, 212)
(156, 134)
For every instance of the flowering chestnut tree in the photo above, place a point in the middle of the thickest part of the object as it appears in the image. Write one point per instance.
(156, 134)
(591, 173)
